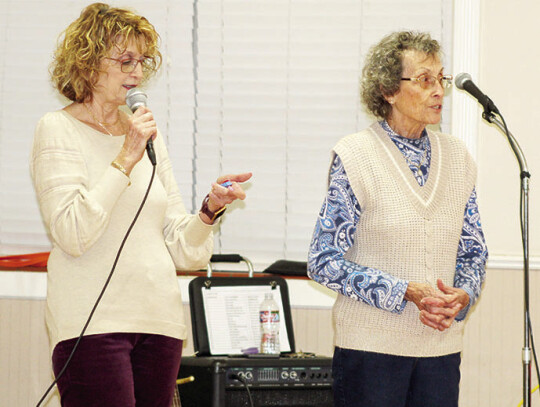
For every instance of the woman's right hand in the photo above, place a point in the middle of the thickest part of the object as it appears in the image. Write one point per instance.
(141, 128)
(444, 308)
(416, 292)
(437, 308)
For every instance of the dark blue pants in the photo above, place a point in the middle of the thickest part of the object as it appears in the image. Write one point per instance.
(118, 369)
(366, 379)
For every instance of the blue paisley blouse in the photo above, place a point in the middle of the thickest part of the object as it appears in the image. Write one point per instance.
(336, 226)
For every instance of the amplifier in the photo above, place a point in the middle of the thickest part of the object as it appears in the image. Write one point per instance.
(285, 381)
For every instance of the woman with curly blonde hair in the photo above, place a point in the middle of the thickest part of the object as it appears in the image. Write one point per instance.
(399, 237)
(90, 178)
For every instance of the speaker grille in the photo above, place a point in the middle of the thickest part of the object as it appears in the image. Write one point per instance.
(305, 397)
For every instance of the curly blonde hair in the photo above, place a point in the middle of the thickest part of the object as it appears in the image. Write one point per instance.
(90, 38)
(381, 75)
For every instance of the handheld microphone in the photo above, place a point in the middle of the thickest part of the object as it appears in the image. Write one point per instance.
(136, 98)
(464, 81)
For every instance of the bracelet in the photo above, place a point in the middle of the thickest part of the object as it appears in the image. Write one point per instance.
(206, 210)
(120, 168)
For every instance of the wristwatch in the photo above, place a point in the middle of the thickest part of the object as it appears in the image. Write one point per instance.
(212, 215)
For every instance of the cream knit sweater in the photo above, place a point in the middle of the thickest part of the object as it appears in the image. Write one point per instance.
(409, 231)
(87, 207)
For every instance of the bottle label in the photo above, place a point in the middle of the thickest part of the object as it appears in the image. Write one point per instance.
(269, 316)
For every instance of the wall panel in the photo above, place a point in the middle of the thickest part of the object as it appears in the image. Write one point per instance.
(491, 366)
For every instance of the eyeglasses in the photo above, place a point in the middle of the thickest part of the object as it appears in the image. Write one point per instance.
(129, 65)
(428, 81)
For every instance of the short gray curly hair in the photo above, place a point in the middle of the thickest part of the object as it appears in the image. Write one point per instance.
(383, 67)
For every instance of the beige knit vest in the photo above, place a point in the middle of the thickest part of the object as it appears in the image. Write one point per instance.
(406, 230)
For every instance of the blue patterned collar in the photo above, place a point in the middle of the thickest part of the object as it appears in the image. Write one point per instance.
(417, 152)
(419, 143)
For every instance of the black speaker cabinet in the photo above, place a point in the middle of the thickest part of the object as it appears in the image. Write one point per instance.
(284, 382)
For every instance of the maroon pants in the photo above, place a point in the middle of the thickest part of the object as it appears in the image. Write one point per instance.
(118, 370)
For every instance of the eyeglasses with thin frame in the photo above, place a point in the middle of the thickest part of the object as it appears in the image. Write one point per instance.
(128, 65)
(428, 81)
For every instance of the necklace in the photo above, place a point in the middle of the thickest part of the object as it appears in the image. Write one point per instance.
(102, 125)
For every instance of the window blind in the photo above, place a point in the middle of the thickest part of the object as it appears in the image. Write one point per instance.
(246, 85)
(277, 88)
(28, 35)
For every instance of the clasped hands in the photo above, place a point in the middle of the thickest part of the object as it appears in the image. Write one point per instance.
(438, 307)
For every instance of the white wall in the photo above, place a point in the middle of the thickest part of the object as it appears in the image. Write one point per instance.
(509, 60)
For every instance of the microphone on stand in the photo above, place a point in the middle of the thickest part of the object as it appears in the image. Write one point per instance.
(136, 98)
(464, 82)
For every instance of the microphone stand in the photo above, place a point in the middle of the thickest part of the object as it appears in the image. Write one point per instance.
(524, 219)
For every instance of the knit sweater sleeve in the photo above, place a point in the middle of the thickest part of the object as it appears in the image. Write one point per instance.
(332, 238)
(75, 213)
(189, 240)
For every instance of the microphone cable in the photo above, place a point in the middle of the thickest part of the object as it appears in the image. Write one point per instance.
(244, 382)
(103, 289)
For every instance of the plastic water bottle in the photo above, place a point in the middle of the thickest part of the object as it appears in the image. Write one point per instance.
(269, 317)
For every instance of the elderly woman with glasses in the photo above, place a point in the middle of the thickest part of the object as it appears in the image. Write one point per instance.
(399, 238)
(91, 174)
